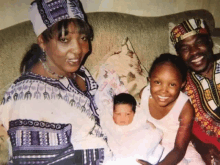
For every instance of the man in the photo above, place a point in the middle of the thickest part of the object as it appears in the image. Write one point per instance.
(193, 44)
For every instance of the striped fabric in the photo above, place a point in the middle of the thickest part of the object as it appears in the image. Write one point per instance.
(45, 13)
(38, 142)
(187, 28)
(51, 122)
(205, 97)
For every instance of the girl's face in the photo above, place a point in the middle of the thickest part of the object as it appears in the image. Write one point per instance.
(123, 114)
(65, 55)
(166, 83)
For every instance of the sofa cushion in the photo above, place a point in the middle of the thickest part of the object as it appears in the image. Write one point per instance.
(216, 46)
(125, 62)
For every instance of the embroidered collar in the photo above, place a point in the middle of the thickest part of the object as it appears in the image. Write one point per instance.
(216, 69)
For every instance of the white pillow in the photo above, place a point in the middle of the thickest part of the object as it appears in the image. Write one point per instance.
(126, 64)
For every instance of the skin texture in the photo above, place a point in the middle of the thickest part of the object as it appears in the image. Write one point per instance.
(166, 82)
(197, 55)
(123, 114)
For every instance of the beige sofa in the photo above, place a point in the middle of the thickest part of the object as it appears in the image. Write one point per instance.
(148, 35)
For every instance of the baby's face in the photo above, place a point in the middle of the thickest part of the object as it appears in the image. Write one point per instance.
(123, 114)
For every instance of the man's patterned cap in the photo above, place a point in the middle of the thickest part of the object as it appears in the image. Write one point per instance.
(186, 29)
(45, 13)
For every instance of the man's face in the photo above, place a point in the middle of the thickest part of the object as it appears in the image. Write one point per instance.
(196, 52)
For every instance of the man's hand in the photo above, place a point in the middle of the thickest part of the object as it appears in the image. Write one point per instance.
(215, 154)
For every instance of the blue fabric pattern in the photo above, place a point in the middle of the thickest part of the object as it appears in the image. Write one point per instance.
(37, 140)
(56, 10)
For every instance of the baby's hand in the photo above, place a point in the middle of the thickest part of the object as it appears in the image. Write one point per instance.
(142, 162)
(151, 124)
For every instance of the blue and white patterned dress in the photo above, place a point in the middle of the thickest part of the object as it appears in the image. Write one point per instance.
(51, 121)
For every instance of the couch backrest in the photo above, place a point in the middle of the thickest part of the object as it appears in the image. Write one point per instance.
(148, 35)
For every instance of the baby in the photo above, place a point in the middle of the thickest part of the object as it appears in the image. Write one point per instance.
(129, 136)
(124, 109)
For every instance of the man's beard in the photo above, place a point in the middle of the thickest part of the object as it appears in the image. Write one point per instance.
(209, 59)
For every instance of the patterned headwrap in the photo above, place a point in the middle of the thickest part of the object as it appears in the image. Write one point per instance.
(45, 13)
(186, 29)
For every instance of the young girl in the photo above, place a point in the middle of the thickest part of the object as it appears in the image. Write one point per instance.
(170, 110)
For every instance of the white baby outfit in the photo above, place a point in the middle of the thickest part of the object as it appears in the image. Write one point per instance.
(137, 140)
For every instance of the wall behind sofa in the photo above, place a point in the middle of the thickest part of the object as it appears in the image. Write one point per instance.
(14, 11)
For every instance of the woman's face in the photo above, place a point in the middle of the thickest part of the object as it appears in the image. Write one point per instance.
(65, 55)
(166, 83)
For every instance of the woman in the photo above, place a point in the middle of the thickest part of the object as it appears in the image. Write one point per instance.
(49, 111)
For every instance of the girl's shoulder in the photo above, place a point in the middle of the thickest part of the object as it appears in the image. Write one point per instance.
(180, 102)
(145, 92)
(187, 108)
(183, 96)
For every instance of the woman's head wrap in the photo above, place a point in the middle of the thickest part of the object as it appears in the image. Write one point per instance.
(45, 13)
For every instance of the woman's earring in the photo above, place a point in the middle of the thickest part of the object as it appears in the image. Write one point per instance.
(43, 56)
